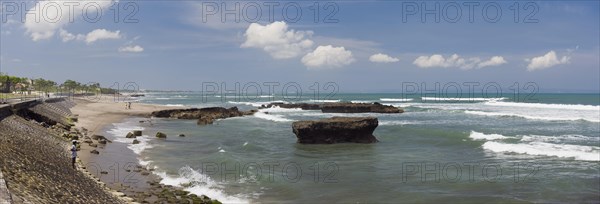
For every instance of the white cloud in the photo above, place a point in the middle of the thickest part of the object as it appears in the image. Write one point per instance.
(131, 48)
(45, 17)
(66, 36)
(93, 36)
(382, 58)
(101, 34)
(328, 56)
(457, 61)
(494, 61)
(277, 40)
(548, 60)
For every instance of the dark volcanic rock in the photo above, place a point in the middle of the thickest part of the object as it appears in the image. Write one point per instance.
(135, 141)
(341, 107)
(303, 106)
(99, 137)
(358, 108)
(161, 135)
(130, 135)
(336, 130)
(204, 115)
(137, 133)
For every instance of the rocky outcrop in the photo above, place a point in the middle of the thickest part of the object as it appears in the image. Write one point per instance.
(161, 135)
(130, 135)
(359, 108)
(341, 107)
(303, 106)
(336, 130)
(203, 115)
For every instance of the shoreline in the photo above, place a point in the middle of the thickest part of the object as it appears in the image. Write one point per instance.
(115, 165)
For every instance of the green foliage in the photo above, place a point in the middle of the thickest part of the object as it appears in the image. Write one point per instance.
(9, 83)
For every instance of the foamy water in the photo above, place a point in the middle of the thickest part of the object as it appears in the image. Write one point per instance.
(538, 145)
(396, 99)
(559, 134)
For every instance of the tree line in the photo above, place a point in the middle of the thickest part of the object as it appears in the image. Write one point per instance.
(12, 84)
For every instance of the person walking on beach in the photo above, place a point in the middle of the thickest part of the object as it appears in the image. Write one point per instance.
(73, 153)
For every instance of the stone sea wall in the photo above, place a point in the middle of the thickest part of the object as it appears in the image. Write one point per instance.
(35, 161)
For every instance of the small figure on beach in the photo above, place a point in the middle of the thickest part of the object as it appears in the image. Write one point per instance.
(129, 105)
(73, 153)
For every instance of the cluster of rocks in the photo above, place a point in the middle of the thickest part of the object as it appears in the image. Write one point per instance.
(340, 107)
(160, 193)
(203, 115)
(337, 129)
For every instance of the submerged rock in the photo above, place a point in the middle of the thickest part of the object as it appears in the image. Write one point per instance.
(135, 141)
(137, 133)
(336, 130)
(181, 135)
(94, 152)
(161, 135)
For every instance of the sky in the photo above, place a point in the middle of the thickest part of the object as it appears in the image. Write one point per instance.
(361, 46)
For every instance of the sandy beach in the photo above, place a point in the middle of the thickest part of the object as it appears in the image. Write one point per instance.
(114, 164)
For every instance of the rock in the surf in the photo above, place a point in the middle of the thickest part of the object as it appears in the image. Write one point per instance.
(130, 135)
(336, 130)
(341, 107)
(203, 115)
(161, 135)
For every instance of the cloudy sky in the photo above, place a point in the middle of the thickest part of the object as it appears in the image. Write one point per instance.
(363, 46)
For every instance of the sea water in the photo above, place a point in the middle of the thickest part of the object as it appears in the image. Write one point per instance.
(440, 149)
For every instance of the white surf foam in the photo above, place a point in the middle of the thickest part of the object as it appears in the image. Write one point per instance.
(577, 152)
(542, 115)
(539, 145)
(461, 99)
(545, 106)
(397, 122)
(255, 104)
(200, 185)
(175, 105)
(119, 132)
(560, 139)
(323, 101)
(396, 99)
(481, 136)
(271, 117)
(361, 101)
(277, 109)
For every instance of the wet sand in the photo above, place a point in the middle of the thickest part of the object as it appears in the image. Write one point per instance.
(116, 165)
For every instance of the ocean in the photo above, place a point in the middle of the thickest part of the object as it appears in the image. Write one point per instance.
(504, 149)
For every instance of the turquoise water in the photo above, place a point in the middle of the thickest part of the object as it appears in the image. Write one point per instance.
(502, 149)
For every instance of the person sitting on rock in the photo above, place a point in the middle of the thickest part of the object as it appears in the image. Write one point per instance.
(73, 153)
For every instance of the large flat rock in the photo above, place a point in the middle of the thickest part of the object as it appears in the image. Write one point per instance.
(203, 115)
(336, 130)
